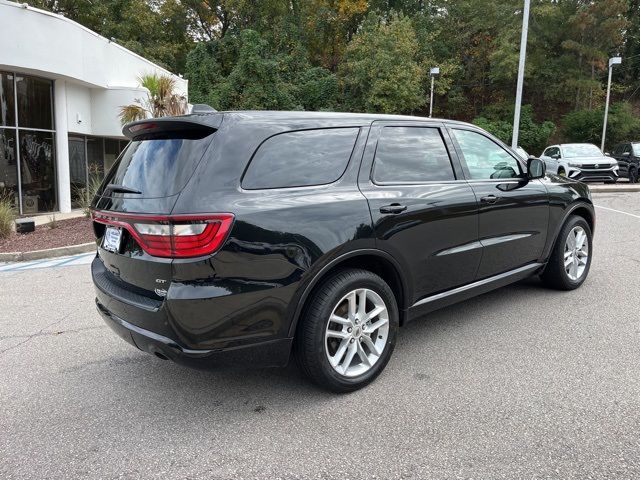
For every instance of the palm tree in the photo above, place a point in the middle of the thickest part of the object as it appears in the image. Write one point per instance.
(161, 100)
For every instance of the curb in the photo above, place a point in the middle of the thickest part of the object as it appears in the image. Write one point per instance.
(614, 188)
(48, 253)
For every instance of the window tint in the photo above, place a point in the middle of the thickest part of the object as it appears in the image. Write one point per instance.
(411, 155)
(485, 159)
(303, 158)
(618, 149)
(158, 168)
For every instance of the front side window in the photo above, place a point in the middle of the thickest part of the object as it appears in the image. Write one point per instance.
(581, 150)
(411, 155)
(485, 159)
(300, 159)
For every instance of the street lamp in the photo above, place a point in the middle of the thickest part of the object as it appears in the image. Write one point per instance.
(523, 56)
(612, 61)
(433, 73)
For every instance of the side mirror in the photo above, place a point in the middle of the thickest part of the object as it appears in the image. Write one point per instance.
(556, 156)
(608, 154)
(625, 154)
(536, 168)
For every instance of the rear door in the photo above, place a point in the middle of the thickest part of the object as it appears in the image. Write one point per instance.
(514, 212)
(424, 214)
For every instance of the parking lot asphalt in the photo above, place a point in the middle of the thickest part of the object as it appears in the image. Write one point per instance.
(522, 382)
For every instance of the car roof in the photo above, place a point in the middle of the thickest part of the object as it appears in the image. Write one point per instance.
(296, 115)
(568, 144)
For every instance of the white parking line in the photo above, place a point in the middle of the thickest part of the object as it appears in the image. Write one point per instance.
(618, 211)
(81, 259)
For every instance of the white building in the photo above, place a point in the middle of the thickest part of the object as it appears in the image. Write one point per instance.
(61, 86)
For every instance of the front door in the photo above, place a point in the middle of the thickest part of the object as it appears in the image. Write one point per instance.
(424, 213)
(514, 212)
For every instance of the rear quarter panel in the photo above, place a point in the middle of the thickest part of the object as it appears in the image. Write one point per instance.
(247, 292)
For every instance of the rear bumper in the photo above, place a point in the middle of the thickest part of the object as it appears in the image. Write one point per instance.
(271, 353)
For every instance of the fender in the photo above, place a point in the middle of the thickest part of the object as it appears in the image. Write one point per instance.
(306, 290)
(581, 203)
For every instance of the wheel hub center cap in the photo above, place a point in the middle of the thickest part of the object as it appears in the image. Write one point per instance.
(357, 332)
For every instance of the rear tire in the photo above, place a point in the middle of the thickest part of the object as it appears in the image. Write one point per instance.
(337, 345)
(570, 259)
(561, 172)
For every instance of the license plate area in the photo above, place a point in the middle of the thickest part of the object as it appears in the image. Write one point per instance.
(112, 238)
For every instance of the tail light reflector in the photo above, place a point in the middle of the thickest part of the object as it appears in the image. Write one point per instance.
(172, 236)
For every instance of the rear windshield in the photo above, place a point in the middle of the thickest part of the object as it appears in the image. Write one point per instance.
(158, 168)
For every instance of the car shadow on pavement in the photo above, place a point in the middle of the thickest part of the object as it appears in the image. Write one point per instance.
(156, 382)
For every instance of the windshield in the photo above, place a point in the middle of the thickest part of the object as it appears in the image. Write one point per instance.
(157, 168)
(585, 150)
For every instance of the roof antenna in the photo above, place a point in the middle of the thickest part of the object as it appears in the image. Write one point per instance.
(202, 108)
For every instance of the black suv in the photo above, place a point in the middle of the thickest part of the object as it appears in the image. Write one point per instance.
(628, 157)
(236, 238)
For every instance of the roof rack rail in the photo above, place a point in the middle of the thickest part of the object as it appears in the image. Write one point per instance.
(202, 108)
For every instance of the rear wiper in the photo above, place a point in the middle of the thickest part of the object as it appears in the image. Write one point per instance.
(112, 187)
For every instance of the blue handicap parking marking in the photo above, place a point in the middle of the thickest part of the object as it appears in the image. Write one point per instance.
(80, 259)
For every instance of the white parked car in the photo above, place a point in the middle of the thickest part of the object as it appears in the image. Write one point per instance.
(580, 161)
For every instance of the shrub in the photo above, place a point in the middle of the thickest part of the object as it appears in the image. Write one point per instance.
(84, 195)
(8, 215)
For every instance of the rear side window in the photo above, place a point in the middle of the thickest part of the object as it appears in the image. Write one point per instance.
(411, 155)
(300, 159)
(158, 168)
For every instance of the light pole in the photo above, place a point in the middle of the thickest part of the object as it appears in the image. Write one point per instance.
(433, 73)
(523, 55)
(612, 61)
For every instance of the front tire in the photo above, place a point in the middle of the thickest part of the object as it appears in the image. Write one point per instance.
(633, 175)
(348, 330)
(570, 259)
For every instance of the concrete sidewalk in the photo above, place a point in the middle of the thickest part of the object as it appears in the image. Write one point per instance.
(44, 218)
(618, 187)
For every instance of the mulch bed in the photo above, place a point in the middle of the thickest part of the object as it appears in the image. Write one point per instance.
(67, 232)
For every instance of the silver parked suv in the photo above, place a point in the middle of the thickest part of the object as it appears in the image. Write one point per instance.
(580, 161)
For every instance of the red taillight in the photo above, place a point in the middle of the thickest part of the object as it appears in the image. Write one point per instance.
(172, 236)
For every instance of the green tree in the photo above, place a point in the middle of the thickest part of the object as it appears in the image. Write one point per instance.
(586, 125)
(379, 72)
(533, 136)
(161, 100)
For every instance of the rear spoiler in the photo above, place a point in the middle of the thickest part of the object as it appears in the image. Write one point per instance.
(190, 127)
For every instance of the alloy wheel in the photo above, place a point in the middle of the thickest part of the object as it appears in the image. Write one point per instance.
(357, 332)
(576, 253)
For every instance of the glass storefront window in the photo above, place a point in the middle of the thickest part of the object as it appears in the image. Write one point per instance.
(27, 142)
(8, 164)
(34, 102)
(7, 105)
(77, 169)
(37, 172)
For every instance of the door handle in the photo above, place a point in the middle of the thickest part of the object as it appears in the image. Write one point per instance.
(393, 208)
(491, 199)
